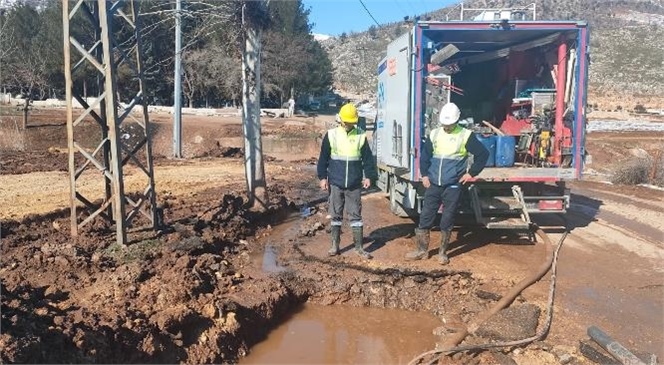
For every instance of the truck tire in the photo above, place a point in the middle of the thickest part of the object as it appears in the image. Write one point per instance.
(396, 208)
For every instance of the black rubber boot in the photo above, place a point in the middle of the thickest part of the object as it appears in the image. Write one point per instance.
(444, 244)
(422, 252)
(335, 231)
(358, 237)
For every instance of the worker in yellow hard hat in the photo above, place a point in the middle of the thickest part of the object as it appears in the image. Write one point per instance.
(345, 166)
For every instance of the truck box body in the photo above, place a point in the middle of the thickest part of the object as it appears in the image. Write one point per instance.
(527, 79)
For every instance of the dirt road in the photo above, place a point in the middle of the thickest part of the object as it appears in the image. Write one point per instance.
(199, 290)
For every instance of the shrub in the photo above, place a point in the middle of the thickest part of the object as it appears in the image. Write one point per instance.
(639, 109)
(657, 169)
(633, 172)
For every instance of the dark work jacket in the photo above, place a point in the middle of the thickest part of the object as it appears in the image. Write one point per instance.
(449, 172)
(345, 174)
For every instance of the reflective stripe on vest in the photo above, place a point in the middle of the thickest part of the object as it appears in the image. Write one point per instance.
(451, 146)
(346, 146)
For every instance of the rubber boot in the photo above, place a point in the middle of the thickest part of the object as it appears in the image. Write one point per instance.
(422, 252)
(335, 231)
(444, 244)
(358, 237)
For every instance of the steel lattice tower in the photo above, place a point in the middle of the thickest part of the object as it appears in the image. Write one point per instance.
(125, 133)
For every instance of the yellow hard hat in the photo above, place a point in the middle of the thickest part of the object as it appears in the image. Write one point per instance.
(348, 113)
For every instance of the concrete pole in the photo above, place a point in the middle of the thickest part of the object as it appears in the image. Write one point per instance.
(251, 82)
(177, 93)
(2, 89)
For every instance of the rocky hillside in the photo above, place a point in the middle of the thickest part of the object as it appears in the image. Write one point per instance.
(627, 56)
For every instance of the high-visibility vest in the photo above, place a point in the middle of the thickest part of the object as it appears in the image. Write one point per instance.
(449, 155)
(451, 146)
(345, 167)
(346, 146)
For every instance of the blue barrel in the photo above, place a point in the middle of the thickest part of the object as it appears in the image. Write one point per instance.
(489, 141)
(505, 146)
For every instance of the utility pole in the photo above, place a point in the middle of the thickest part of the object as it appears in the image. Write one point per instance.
(2, 89)
(106, 163)
(177, 93)
(362, 50)
(251, 91)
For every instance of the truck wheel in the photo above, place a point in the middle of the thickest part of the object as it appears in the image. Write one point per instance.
(396, 208)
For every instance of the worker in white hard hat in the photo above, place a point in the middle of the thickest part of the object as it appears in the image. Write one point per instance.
(443, 166)
(345, 167)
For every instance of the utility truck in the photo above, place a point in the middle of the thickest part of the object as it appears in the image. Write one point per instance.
(521, 86)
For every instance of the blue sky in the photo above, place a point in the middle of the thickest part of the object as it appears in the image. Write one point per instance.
(334, 17)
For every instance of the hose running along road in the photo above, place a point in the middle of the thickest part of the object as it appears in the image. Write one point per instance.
(450, 345)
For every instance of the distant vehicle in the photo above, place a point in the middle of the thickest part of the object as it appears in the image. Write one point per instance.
(314, 105)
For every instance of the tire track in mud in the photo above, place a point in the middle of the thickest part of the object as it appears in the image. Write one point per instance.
(629, 209)
(617, 222)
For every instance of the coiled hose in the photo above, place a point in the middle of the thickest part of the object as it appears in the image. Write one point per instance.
(450, 345)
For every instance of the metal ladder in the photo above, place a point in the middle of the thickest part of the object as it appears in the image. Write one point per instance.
(486, 219)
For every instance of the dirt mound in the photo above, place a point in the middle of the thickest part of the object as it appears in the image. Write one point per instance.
(234, 152)
(167, 297)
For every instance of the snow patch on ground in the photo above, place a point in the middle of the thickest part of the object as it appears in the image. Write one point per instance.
(650, 186)
(624, 126)
(321, 37)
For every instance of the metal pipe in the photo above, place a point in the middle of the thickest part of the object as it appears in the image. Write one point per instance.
(177, 93)
(614, 348)
(560, 102)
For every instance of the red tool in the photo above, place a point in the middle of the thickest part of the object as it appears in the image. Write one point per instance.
(452, 88)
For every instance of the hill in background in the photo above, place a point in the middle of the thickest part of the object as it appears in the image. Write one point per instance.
(627, 55)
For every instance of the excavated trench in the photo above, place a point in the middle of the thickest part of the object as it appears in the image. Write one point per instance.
(211, 286)
(352, 303)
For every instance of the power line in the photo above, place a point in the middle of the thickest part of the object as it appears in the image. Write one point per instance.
(424, 5)
(368, 12)
(400, 7)
(411, 7)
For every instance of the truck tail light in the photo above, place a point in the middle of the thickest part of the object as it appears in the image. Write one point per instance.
(550, 205)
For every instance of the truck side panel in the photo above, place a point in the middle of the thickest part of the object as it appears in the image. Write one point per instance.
(392, 126)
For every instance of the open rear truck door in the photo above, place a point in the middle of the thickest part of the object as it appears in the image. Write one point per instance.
(521, 86)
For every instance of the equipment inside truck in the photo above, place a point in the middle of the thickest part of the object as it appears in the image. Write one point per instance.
(521, 87)
(516, 89)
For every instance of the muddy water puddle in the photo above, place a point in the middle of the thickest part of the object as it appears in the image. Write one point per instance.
(346, 335)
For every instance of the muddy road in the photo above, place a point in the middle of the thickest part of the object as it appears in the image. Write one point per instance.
(212, 284)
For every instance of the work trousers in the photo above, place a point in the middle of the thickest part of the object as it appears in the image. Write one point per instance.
(449, 196)
(351, 199)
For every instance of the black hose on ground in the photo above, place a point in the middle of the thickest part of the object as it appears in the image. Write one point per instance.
(450, 346)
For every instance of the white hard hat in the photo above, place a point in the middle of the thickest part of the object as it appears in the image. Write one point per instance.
(449, 114)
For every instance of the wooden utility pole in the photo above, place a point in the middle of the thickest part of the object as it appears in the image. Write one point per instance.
(251, 91)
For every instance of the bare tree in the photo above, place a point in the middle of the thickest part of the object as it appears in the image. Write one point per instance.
(191, 74)
(31, 77)
(7, 47)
